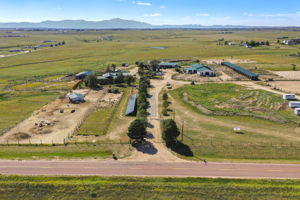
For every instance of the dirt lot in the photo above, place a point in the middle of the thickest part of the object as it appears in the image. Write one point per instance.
(286, 86)
(57, 121)
(219, 61)
(289, 75)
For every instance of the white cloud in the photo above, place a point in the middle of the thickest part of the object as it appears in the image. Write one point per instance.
(152, 15)
(203, 14)
(249, 14)
(140, 3)
(297, 14)
(162, 7)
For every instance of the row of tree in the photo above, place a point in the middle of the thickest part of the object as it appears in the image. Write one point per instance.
(137, 130)
(166, 104)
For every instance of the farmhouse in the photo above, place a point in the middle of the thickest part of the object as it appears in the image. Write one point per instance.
(297, 111)
(83, 75)
(131, 108)
(291, 42)
(165, 65)
(294, 104)
(241, 70)
(76, 98)
(289, 96)
(108, 78)
(201, 70)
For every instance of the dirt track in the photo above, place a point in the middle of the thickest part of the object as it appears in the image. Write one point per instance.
(169, 169)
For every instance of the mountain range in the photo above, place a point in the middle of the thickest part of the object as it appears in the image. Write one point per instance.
(116, 23)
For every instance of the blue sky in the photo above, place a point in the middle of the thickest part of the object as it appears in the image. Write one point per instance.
(205, 12)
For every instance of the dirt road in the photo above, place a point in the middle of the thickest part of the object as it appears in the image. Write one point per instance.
(154, 148)
(125, 168)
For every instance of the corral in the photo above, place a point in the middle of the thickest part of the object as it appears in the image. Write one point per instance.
(56, 122)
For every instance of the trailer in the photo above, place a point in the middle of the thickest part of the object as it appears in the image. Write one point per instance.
(289, 96)
(297, 111)
(294, 104)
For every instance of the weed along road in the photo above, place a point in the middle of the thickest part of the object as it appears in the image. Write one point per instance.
(133, 168)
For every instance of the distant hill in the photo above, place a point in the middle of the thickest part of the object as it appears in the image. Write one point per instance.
(108, 24)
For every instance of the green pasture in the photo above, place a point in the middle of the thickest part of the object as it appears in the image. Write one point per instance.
(40, 187)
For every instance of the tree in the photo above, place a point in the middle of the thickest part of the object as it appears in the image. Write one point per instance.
(137, 130)
(267, 43)
(63, 43)
(226, 43)
(91, 81)
(165, 104)
(129, 80)
(119, 79)
(154, 65)
(294, 67)
(165, 96)
(113, 67)
(170, 131)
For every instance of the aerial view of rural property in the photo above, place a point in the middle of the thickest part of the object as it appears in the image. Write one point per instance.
(151, 99)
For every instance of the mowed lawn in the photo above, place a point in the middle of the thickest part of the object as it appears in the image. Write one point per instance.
(106, 188)
(211, 136)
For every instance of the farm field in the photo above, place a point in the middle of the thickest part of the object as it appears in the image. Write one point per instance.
(268, 133)
(13, 187)
(31, 80)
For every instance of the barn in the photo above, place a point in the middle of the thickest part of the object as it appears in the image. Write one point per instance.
(200, 69)
(241, 70)
(76, 98)
(165, 65)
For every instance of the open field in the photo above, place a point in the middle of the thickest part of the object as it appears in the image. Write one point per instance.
(15, 187)
(234, 100)
(211, 136)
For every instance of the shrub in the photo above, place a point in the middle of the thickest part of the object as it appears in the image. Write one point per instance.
(170, 131)
(137, 130)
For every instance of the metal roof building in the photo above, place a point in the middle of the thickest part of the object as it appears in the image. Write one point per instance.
(83, 75)
(165, 65)
(76, 98)
(241, 70)
(131, 108)
(200, 69)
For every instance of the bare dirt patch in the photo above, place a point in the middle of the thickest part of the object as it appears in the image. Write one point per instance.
(219, 61)
(286, 86)
(57, 121)
(289, 75)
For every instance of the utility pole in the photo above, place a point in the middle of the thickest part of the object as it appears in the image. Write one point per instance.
(182, 127)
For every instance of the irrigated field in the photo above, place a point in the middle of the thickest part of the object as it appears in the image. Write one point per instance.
(14, 187)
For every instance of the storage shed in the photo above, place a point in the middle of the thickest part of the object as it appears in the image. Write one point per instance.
(83, 75)
(289, 96)
(241, 70)
(165, 65)
(131, 108)
(294, 104)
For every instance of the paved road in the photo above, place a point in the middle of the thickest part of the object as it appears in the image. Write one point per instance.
(126, 168)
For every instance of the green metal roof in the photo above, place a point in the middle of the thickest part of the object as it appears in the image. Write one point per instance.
(198, 68)
(168, 64)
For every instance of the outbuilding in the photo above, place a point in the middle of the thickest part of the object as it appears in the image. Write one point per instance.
(165, 65)
(289, 96)
(83, 75)
(297, 111)
(131, 108)
(201, 70)
(294, 104)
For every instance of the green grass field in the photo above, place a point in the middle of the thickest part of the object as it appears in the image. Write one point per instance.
(234, 100)
(212, 136)
(15, 187)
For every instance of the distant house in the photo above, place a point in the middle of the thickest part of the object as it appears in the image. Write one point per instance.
(291, 42)
(83, 75)
(108, 78)
(201, 70)
(165, 65)
(248, 46)
(76, 98)
(289, 96)
(232, 43)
